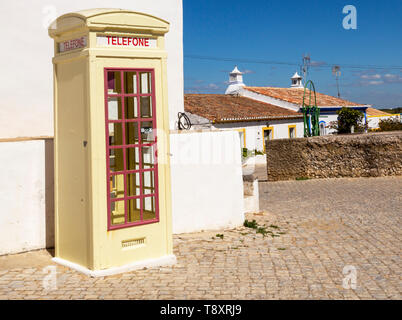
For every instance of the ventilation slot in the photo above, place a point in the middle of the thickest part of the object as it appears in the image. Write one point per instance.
(132, 243)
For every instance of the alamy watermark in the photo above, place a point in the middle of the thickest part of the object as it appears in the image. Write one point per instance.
(49, 16)
(350, 279)
(49, 282)
(350, 20)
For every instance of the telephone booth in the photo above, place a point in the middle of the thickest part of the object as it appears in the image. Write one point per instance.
(112, 174)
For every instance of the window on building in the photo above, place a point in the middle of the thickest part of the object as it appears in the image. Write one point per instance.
(242, 135)
(292, 131)
(131, 147)
(268, 135)
(323, 130)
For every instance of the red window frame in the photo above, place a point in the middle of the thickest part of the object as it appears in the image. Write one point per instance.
(124, 147)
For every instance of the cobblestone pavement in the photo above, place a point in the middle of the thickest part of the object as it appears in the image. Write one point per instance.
(313, 229)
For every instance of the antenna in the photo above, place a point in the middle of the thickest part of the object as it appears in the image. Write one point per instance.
(305, 66)
(336, 71)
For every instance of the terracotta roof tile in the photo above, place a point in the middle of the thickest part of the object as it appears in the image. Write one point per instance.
(295, 96)
(227, 108)
(375, 112)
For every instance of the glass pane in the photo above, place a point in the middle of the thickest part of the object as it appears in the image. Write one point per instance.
(130, 82)
(148, 157)
(149, 211)
(117, 212)
(117, 186)
(116, 160)
(114, 82)
(115, 134)
(145, 84)
(133, 158)
(131, 107)
(114, 108)
(148, 182)
(132, 133)
(147, 133)
(134, 213)
(133, 184)
(146, 107)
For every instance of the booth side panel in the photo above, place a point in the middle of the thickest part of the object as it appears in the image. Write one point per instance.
(72, 174)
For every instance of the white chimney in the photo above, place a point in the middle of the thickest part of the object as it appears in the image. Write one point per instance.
(235, 81)
(296, 81)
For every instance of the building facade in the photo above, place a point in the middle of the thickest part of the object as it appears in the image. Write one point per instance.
(374, 116)
(256, 122)
(292, 98)
(262, 113)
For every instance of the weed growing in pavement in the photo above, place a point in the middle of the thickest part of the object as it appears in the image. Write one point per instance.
(250, 224)
(262, 229)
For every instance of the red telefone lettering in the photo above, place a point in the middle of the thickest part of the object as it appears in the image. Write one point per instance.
(141, 42)
(146, 42)
(129, 40)
(108, 39)
(135, 42)
(114, 41)
(124, 41)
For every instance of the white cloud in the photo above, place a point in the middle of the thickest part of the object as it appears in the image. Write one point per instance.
(370, 76)
(375, 82)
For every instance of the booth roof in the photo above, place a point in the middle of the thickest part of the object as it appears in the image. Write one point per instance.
(295, 96)
(227, 108)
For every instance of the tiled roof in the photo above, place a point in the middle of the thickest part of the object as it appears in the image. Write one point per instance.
(376, 112)
(295, 96)
(228, 108)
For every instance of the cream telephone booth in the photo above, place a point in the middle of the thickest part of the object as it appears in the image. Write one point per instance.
(112, 174)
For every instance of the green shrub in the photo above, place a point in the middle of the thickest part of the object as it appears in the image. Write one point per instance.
(348, 117)
(390, 124)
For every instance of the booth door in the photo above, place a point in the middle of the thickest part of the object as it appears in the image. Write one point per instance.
(132, 169)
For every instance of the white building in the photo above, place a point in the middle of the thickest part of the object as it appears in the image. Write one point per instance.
(26, 130)
(255, 121)
(374, 116)
(261, 113)
(292, 98)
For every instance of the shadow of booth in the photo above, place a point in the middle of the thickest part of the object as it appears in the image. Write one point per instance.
(49, 196)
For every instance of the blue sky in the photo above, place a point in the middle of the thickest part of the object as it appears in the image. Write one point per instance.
(282, 31)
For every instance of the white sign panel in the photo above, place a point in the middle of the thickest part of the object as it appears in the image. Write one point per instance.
(126, 42)
(73, 44)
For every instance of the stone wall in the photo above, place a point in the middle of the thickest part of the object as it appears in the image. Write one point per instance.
(359, 155)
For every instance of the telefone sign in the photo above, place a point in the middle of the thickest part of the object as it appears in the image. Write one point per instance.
(125, 42)
(73, 44)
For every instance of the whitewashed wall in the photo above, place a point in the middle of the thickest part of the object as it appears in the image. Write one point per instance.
(26, 85)
(254, 135)
(26, 195)
(207, 184)
(373, 121)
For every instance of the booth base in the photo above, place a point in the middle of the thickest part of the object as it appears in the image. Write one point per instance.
(168, 260)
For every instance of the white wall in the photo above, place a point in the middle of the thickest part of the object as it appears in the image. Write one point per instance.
(26, 196)
(254, 135)
(373, 121)
(26, 85)
(207, 184)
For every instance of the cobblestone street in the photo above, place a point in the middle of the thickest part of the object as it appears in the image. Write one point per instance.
(313, 229)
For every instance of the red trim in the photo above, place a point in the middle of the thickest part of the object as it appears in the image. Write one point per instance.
(124, 147)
